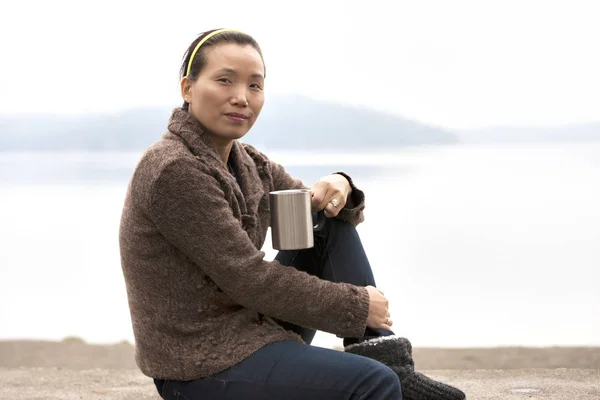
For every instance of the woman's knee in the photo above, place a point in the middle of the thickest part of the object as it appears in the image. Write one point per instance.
(380, 382)
(335, 228)
(390, 384)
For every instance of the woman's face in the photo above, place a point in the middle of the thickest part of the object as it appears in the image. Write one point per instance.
(228, 94)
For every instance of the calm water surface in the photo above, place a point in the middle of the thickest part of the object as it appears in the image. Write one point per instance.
(474, 246)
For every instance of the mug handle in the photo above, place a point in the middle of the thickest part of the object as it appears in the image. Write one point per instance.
(321, 219)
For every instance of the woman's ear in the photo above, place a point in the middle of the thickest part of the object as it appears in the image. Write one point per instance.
(186, 89)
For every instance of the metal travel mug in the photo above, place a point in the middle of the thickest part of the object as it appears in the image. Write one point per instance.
(291, 219)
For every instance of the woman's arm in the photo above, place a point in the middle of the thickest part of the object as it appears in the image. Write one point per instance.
(352, 212)
(189, 208)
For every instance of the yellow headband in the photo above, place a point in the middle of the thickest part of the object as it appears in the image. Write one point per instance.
(201, 42)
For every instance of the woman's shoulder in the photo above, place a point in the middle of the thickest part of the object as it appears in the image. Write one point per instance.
(162, 153)
(159, 157)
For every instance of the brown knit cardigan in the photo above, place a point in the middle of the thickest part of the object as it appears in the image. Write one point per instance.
(201, 296)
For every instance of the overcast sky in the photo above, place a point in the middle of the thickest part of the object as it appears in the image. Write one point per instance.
(454, 63)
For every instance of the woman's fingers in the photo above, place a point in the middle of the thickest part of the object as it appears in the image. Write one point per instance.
(387, 326)
(328, 198)
(379, 314)
(316, 197)
(320, 198)
(331, 211)
(334, 204)
(387, 323)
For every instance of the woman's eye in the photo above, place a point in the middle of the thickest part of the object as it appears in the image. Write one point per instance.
(255, 86)
(224, 80)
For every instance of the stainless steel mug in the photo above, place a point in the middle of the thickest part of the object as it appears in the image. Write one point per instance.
(291, 220)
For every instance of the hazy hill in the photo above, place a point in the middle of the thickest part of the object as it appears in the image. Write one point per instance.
(298, 122)
(588, 132)
(285, 123)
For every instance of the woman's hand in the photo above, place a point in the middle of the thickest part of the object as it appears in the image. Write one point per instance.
(379, 315)
(330, 193)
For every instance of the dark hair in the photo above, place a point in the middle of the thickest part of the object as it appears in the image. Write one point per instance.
(200, 58)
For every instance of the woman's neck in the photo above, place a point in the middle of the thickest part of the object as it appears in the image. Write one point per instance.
(223, 147)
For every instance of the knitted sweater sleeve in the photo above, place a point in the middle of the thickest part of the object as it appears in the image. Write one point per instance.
(190, 209)
(352, 212)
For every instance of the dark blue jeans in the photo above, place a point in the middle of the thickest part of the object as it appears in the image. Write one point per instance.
(291, 370)
(338, 256)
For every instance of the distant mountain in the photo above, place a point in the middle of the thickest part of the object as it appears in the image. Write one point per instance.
(301, 123)
(589, 132)
(286, 122)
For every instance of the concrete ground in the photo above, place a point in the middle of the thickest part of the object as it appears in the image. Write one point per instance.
(47, 383)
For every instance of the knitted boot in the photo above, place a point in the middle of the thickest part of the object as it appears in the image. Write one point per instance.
(396, 353)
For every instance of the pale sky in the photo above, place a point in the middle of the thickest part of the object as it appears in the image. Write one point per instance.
(453, 63)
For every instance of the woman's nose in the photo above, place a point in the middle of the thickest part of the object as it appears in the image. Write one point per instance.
(240, 99)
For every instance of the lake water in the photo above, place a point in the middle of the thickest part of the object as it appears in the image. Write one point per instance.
(474, 246)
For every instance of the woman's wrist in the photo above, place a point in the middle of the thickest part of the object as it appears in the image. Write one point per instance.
(348, 180)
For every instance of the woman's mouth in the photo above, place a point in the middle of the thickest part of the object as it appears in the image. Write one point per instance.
(237, 117)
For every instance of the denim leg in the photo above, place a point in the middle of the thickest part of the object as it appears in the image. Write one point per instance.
(338, 256)
(292, 371)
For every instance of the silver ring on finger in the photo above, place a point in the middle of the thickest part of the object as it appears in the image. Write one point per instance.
(334, 203)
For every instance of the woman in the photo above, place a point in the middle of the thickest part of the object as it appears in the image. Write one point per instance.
(211, 318)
